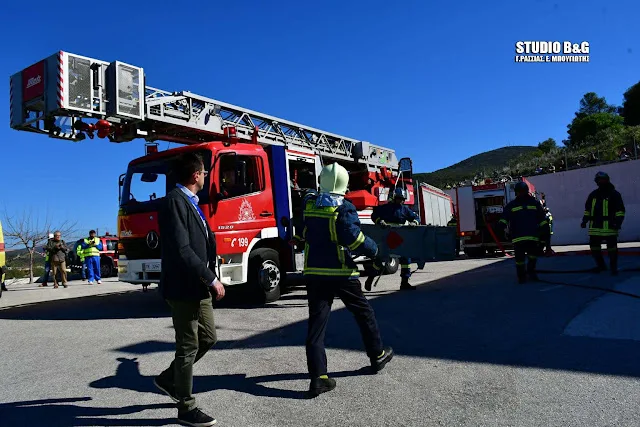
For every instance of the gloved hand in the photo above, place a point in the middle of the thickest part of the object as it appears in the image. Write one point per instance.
(383, 224)
(583, 225)
(414, 223)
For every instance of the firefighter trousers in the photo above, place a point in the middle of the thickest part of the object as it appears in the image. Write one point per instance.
(522, 250)
(595, 244)
(321, 291)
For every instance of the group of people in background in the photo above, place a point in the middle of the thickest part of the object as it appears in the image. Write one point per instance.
(55, 259)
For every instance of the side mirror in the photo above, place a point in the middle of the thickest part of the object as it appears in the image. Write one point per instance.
(149, 177)
(406, 165)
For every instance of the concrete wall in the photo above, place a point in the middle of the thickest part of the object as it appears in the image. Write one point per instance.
(566, 193)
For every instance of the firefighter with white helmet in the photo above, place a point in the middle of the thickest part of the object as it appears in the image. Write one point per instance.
(331, 231)
(396, 213)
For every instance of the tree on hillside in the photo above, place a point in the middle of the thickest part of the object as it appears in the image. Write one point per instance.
(30, 231)
(584, 129)
(593, 116)
(631, 106)
(547, 145)
(591, 103)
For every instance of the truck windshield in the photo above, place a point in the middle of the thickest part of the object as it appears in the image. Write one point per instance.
(148, 182)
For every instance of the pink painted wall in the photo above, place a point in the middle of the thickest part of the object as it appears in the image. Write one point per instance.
(566, 193)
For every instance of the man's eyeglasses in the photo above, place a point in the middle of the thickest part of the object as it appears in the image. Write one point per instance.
(205, 173)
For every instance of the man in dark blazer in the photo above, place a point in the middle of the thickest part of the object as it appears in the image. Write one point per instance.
(187, 281)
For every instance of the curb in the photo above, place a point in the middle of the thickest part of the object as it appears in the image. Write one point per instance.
(621, 252)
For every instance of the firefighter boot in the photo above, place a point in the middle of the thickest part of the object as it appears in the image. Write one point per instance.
(405, 273)
(321, 385)
(369, 282)
(613, 259)
(600, 264)
(522, 273)
(531, 269)
(3, 287)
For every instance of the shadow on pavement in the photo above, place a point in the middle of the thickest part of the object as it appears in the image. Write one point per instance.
(128, 377)
(479, 316)
(63, 413)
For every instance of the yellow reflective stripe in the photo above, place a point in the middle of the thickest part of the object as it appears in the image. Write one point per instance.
(304, 233)
(517, 208)
(519, 262)
(358, 242)
(376, 267)
(593, 207)
(320, 214)
(532, 208)
(525, 238)
(586, 213)
(544, 222)
(405, 265)
(331, 271)
(605, 208)
(605, 224)
(503, 220)
(620, 213)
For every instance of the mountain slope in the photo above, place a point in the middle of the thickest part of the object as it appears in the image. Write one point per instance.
(483, 163)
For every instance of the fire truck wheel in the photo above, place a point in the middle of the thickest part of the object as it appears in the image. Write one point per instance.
(265, 274)
(106, 267)
(392, 266)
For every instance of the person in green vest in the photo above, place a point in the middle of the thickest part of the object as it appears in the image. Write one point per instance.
(80, 253)
(92, 247)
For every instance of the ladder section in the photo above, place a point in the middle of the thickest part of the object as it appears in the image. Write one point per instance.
(187, 115)
(70, 97)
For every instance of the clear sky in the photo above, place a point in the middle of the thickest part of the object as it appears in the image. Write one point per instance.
(436, 81)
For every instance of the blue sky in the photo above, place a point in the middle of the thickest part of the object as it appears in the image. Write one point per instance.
(434, 80)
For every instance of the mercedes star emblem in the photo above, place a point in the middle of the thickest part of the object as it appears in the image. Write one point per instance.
(153, 239)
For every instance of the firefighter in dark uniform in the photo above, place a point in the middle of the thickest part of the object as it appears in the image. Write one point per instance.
(331, 232)
(453, 222)
(395, 213)
(527, 223)
(604, 211)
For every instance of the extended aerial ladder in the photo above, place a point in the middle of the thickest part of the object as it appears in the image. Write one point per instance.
(70, 97)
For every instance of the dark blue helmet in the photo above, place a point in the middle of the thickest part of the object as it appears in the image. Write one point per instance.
(521, 187)
(601, 177)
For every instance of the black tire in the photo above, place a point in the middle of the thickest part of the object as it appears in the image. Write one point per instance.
(265, 275)
(392, 266)
(106, 267)
(475, 252)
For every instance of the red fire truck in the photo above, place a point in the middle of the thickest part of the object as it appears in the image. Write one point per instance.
(260, 166)
(479, 208)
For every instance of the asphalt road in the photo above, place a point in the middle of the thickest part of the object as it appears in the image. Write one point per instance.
(473, 349)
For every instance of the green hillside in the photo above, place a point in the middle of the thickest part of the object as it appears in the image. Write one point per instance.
(487, 164)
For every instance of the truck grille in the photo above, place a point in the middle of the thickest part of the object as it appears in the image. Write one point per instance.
(138, 249)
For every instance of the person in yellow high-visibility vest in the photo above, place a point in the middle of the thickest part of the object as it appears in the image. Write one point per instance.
(92, 247)
(80, 252)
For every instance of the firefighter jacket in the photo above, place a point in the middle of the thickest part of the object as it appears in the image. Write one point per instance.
(550, 221)
(604, 210)
(332, 235)
(452, 223)
(393, 213)
(525, 218)
(92, 250)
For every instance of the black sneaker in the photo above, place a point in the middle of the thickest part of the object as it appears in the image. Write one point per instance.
(378, 364)
(166, 388)
(321, 385)
(196, 418)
